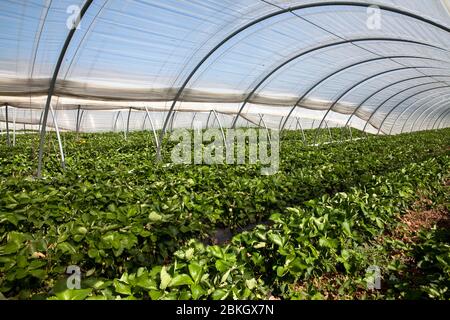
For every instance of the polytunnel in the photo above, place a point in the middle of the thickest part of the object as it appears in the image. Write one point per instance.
(255, 150)
(104, 65)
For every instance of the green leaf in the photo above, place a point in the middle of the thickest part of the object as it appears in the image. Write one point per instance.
(197, 291)
(66, 247)
(72, 294)
(154, 217)
(346, 228)
(222, 265)
(251, 284)
(180, 280)
(165, 278)
(277, 239)
(122, 287)
(155, 294)
(196, 271)
(219, 294)
(216, 251)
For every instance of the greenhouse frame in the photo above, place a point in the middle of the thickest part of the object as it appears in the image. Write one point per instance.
(176, 61)
(224, 150)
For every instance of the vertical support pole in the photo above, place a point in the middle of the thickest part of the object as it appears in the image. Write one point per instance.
(128, 123)
(281, 123)
(220, 126)
(40, 120)
(153, 127)
(77, 126)
(207, 121)
(8, 140)
(14, 128)
(265, 126)
(172, 121)
(342, 133)
(193, 119)
(115, 122)
(329, 131)
(61, 151)
(143, 124)
(303, 131)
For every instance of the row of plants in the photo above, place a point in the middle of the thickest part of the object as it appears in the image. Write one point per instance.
(328, 235)
(116, 211)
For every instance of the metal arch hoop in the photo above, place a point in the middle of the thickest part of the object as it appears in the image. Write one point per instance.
(437, 118)
(412, 105)
(273, 14)
(391, 85)
(433, 120)
(398, 104)
(428, 116)
(422, 112)
(51, 90)
(317, 84)
(442, 117)
(355, 86)
(320, 47)
(389, 98)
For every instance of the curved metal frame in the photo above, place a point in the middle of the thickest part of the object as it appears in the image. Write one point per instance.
(147, 114)
(399, 104)
(389, 98)
(320, 47)
(273, 14)
(414, 104)
(441, 118)
(360, 105)
(317, 84)
(422, 112)
(435, 121)
(336, 101)
(429, 117)
(429, 127)
(51, 90)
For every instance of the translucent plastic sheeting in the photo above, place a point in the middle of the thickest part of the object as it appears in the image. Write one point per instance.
(246, 58)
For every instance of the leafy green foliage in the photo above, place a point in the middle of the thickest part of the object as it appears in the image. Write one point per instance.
(129, 222)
